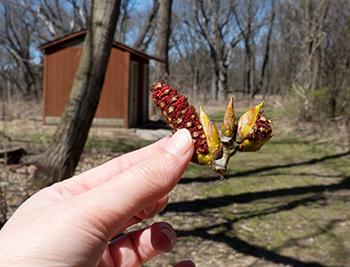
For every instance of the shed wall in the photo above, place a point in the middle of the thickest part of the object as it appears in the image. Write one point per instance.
(60, 67)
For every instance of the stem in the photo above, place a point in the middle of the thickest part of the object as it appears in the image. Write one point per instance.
(229, 150)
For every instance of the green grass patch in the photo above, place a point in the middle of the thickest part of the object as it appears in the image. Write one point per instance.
(121, 145)
(291, 198)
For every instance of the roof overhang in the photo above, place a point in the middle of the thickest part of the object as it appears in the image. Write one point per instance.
(54, 44)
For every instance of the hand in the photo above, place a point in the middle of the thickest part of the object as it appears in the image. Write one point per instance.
(71, 223)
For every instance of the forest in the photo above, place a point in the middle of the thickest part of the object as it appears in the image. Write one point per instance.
(285, 205)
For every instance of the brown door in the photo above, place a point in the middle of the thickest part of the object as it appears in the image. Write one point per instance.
(145, 89)
(133, 93)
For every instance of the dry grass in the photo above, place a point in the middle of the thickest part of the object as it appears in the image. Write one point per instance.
(283, 206)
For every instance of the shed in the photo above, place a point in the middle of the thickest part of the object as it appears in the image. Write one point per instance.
(124, 98)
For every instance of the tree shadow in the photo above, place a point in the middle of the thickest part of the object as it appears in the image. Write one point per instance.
(212, 178)
(318, 197)
(198, 205)
(244, 247)
(312, 174)
(222, 230)
(321, 230)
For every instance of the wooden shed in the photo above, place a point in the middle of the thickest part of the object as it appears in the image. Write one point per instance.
(124, 99)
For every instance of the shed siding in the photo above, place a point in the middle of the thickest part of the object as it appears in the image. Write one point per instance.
(60, 68)
(114, 98)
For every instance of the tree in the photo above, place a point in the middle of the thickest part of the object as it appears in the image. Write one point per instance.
(61, 17)
(17, 39)
(162, 42)
(61, 157)
(190, 63)
(25, 25)
(214, 21)
(145, 35)
(307, 27)
(266, 56)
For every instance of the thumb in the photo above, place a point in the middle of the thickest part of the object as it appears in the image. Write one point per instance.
(120, 198)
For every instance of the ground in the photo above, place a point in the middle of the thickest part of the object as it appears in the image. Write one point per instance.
(286, 205)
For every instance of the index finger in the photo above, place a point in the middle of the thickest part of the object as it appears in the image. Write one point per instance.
(114, 202)
(100, 174)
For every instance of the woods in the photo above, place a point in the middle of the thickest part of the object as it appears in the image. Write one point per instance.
(286, 205)
(297, 48)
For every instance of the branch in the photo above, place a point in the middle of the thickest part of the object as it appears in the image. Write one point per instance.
(140, 41)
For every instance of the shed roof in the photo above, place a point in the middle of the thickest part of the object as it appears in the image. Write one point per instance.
(81, 34)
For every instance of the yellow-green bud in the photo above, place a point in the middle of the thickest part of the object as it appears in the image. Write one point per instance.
(228, 124)
(247, 121)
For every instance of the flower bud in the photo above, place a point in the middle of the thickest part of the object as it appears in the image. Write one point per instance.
(247, 121)
(211, 133)
(228, 123)
(254, 129)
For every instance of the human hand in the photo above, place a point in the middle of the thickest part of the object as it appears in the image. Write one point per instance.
(71, 222)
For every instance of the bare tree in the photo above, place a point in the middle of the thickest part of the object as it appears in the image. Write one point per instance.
(266, 56)
(123, 23)
(310, 35)
(190, 63)
(146, 33)
(3, 206)
(26, 24)
(16, 39)
(251, 21)
(247, 33)
(162, 43)
(61, 17)
(61, 157)
(335, 58)
(214, 22)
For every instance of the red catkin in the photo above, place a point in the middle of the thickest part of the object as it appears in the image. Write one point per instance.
(261, 130)
(178, 113)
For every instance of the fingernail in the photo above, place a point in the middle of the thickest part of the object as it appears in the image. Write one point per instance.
(163, 236)
(185, 263)
(179, 143)
(168, 231)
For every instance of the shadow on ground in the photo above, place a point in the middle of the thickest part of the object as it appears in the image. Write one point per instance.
(212, 178)
(307, 195)
(244, 247)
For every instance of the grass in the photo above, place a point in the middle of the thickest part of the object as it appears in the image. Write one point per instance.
(121, 145)
(286, 204)
(116, 145)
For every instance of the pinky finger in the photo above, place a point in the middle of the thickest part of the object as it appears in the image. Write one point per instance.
(135, 248)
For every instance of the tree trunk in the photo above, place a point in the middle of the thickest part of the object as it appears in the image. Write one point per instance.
(162, 45)
(248, 36)
(219, 81)
(223, 81)
(62, 156)
(215, 81)
(195, 83)
(347, 124)
(261, 83)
